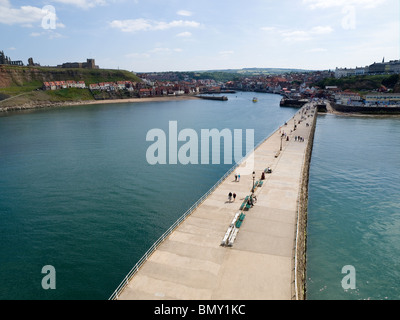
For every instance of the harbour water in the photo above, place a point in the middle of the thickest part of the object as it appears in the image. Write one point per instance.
(77, 193)
(354, 209)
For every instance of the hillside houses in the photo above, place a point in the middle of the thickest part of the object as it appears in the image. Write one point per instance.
(57, 85)
(139, 89)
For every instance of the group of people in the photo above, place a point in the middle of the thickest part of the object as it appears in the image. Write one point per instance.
(299, 139)
(237, 177)
(252, 200)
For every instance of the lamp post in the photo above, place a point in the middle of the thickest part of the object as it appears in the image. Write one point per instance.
(254, 177)
(281, 141)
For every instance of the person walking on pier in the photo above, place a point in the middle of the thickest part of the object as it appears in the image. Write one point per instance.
(234, 197)
(230, 196)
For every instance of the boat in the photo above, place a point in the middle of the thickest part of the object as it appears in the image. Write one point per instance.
(255, 99)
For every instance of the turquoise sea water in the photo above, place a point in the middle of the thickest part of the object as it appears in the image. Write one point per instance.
(354, 208)
(77, 193)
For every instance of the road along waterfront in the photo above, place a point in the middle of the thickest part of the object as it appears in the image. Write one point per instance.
(265, 259)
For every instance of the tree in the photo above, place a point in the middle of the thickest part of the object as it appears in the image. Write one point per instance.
(391, 81)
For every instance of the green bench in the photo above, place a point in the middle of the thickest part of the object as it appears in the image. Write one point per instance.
(240, 221)
(257, 184)
(244, 203)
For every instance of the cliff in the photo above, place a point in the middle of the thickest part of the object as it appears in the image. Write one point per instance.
(11, 76)
(21, 85)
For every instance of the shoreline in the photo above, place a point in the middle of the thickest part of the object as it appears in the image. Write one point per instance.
(36, 105)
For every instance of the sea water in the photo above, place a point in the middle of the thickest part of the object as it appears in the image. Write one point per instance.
(354, 209)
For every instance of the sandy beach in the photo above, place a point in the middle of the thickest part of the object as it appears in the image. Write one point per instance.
(140, 100)
(42, 104)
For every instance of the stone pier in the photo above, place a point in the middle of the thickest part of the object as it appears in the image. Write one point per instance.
(267, 259)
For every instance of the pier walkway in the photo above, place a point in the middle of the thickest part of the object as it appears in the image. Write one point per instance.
(191, 264)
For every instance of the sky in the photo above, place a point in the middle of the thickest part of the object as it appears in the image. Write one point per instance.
(176, 35)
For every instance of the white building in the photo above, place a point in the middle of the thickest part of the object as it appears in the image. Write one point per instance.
(347, 98)
(382, 99)
(344, 72)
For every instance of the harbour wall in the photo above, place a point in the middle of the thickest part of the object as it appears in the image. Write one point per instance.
(376, 110)
(301, 237)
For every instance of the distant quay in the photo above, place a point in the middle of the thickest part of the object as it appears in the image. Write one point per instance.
(372, 110)
(220, 92)
(293, 103)
(223, 98)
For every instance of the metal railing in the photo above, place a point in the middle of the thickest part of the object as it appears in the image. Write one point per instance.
(154, 247)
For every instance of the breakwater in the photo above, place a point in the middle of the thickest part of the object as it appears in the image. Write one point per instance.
(189, 263)
(301, 241)
(373, 110)
(293, 103)
(223, 98)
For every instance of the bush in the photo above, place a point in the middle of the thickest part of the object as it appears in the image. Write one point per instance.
(391, 81)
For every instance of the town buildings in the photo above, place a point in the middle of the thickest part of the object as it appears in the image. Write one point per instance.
(348, 98)
(390, 67)
(382, 99)
(89, 64)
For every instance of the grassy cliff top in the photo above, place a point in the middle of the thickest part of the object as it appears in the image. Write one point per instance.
(16, 80)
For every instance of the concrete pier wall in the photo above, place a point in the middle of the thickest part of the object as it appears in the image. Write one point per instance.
(301, 236)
